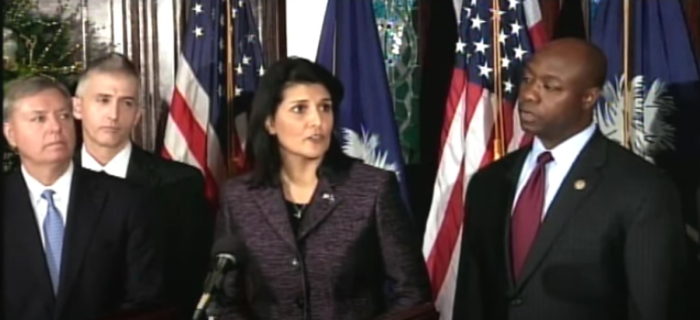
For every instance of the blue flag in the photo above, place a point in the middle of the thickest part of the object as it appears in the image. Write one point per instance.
(664, 77)
(350, 48)
(593, 9)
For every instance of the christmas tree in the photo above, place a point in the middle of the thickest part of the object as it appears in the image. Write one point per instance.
(37, 43)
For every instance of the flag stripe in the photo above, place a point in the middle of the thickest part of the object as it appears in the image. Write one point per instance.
(468, 133)
(189, 112)
(192, 145)
(196, 104)
(196, 131)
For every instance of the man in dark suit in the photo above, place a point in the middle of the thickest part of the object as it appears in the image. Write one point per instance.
(108, 104)
(76, 244)
(574, 226)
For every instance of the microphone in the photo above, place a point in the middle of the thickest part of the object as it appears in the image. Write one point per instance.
(225, 252)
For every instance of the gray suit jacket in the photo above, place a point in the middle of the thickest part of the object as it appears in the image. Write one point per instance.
(354, 237)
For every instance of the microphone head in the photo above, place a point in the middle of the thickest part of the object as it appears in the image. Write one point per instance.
(229, 245)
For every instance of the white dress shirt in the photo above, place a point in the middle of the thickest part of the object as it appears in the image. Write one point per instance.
(61, 197)
(117, 167)
(564, 156)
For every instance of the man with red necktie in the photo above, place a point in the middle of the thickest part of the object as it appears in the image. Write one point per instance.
(573, 226)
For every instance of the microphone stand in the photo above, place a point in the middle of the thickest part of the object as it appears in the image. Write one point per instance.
(212, 283)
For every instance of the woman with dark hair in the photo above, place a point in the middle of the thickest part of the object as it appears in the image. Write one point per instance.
(323, 233)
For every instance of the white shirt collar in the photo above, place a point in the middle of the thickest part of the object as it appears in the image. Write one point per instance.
(567, 151)
(117, 167)
(564, 154)
(61, 187)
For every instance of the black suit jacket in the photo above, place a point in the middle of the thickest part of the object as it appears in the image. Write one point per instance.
(110, 262)
(185, 222)
(612, 250)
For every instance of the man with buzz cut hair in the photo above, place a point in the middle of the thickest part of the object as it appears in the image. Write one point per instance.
(573, 226)
(76, 245)
(108, 102)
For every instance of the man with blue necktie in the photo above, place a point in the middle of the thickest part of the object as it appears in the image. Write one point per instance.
(76, 244)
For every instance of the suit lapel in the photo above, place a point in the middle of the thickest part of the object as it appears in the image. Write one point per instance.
(25, 233)
(271, 203)
(322, 204)
(84, 212)
(576, 187)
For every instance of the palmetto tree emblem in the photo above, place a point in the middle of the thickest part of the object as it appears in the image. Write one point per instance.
(365, 146)
(650, 133)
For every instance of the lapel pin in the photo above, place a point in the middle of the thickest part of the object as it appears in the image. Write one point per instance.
(580, 184)
(329, 197)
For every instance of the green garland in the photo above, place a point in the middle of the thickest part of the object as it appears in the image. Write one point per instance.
(45, 44)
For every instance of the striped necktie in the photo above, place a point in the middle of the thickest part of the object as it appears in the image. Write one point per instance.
(53, 234)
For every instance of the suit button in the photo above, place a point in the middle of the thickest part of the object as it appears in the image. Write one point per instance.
(295, 262)
(516, 302)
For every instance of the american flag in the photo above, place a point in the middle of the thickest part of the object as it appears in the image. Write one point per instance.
(249, 67)
(198, 127)
(469, 127)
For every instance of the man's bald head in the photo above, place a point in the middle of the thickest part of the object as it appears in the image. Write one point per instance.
(578, 52)
(561, 85)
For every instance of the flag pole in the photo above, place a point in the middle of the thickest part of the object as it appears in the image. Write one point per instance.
(586, 8)
(498, 104)
(626, 63)
(335, 47)
(230, 79)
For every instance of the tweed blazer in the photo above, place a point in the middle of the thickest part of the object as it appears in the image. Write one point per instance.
(353, 240)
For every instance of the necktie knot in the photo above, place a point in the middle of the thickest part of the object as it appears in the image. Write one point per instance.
(544, 158)
(48, 196)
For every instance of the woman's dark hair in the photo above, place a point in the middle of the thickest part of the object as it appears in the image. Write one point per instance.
(262, 148)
